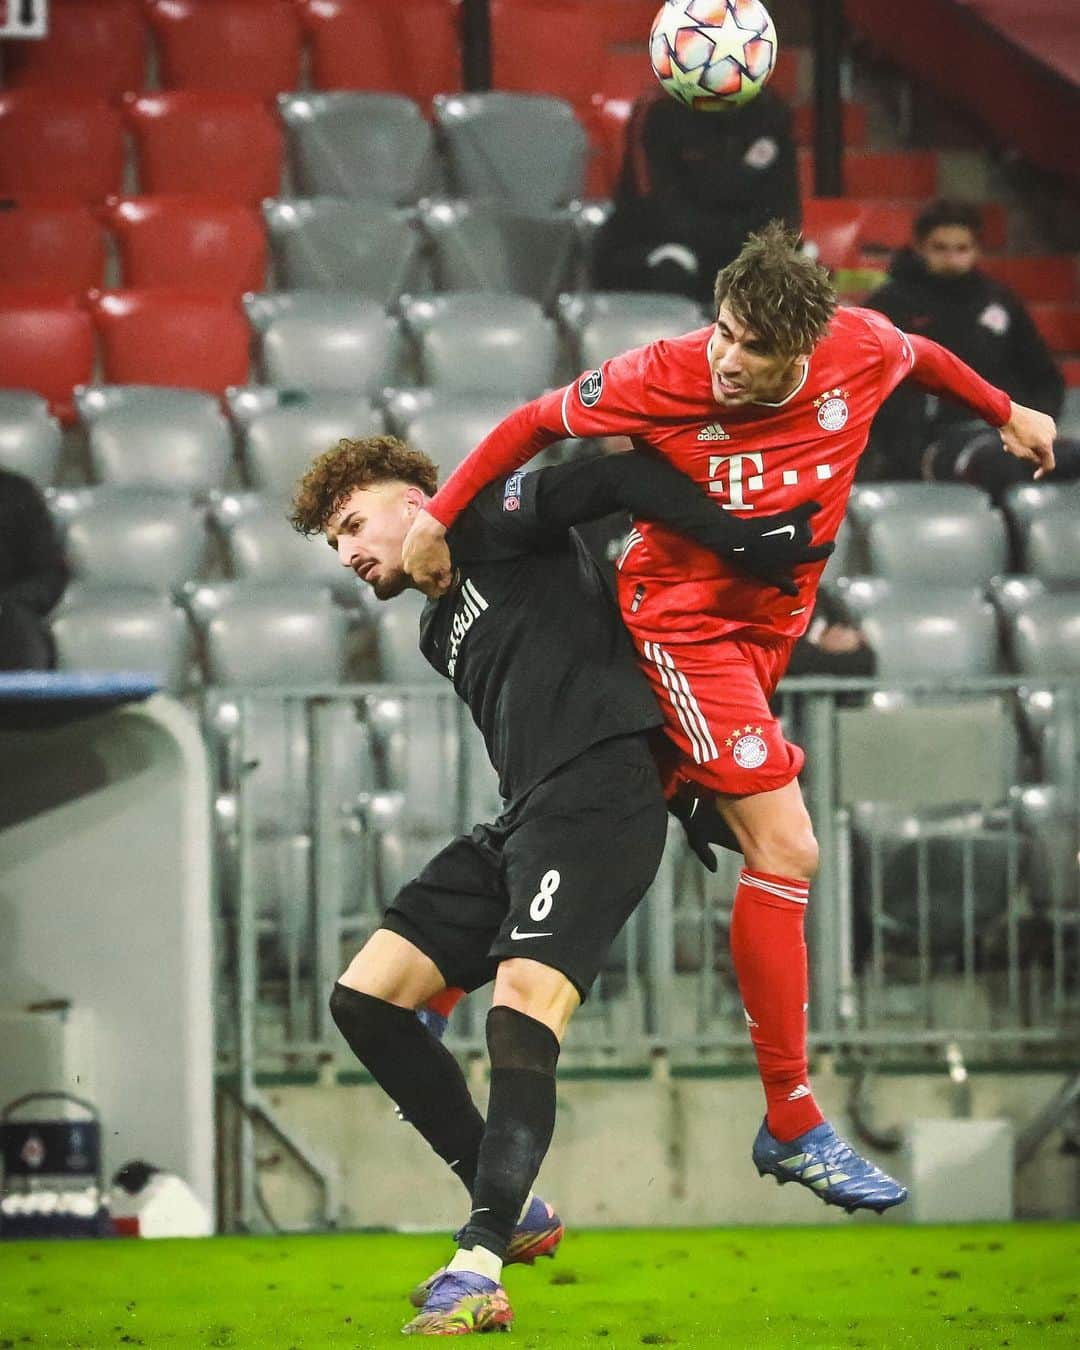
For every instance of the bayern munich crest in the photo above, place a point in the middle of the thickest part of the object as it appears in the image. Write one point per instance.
(832, 409)
(747, 747)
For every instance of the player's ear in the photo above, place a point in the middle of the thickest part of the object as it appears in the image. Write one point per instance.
(414, 500)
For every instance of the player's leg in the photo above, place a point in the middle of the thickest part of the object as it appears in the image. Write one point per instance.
(436, 933)
(583, 852)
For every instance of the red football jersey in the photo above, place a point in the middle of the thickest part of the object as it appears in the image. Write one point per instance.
(763, 457)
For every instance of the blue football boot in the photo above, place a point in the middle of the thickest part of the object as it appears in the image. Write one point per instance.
(459, 1303)
(827, 1165)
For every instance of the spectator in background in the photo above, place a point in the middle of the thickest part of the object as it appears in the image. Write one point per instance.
(936, 289)
(33, 575)
(693, 186)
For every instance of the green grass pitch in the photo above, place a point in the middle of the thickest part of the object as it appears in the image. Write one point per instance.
(1001, 1285)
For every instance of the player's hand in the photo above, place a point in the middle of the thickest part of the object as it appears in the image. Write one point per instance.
(775, 545)
(696, 812)
(425, 556)
(1029, 434)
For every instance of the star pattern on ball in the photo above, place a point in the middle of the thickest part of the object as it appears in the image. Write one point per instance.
(685, 84)
(729, 39)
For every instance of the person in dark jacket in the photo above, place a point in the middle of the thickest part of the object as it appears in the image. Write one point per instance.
(33, 575)
(937, 290)
(693, 186)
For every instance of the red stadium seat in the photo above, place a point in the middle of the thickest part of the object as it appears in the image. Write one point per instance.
(529, 46)
(898, 174)
(56, 245)
(1059, 325)
(189, 241)
(410, 49)
(233, 46)
(46, 345)
(59, 145)
(1070, 368)
(223, 145)
(94, 45)
(193, 339)
(833, 225)
(1050, 277)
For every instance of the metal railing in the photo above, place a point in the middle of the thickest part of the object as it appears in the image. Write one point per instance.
(946, 909)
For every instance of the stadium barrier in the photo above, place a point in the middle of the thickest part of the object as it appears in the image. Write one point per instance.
(946, 909)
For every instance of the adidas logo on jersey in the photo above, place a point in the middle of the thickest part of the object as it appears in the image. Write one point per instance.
(713, 432)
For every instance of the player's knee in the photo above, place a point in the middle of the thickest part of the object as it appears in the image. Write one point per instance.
(790, 853)
(537, 991)
(361, 1018)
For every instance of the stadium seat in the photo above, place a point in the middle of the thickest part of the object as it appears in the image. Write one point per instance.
(1045, 637)
(398, 49)
(56, 245)
(1010, 592)
(30, 436)
(937, 548)
(98, 46)
(59, 145)
(853, 124)
(113, 536)
(365, 147)
(1051, 546)
(396, 636)
(189, 241)
(910, 175)
(1059, 326)
(46, 346)
(285, 634)
(366, 248)
(873, 499)
(125, 630)
(194, 339)
(832, 226)
(605, 323)
(232, 46)
(417, 740)
(279, 444)
(225, 145)
(1023, 502)
(521, 150)
(319, 340)
(1049, 823)
(478, 342)
(1035, 277)
(262, 546)
(918, 631)
(530, 42)
(153, 437)
(446, 425)
(481, 247)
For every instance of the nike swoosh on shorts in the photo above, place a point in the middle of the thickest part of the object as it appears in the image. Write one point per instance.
(516, 936)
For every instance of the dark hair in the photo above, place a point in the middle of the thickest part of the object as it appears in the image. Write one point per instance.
(946, 212)
(356, 464)
(778, 291)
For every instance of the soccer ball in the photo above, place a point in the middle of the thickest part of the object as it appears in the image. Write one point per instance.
(712, 54)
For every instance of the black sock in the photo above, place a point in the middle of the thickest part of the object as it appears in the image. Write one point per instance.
(520, 1121)
(417, 1072)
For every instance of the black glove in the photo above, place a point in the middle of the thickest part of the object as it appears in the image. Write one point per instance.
(704, 825)
(775, 545)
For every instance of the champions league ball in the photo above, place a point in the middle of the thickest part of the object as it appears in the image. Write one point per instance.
(712, 54)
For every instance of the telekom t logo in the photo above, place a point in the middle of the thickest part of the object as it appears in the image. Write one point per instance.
(739, 480)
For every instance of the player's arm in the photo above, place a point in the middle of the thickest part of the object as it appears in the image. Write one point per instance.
(768, 547)
(1025, 432)
(571, 411)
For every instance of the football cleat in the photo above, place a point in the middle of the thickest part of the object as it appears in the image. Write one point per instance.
(538, 1234)
(827, 1165)
(459, 1303)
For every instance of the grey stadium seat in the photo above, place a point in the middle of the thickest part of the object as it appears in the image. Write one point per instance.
(146, 436)
(606, 323)
(397, 634)
(446, 426)
(312, 340)
(131, 536)
(871, 499)
(29, 436)
(1045, 635)
(124, 630)
(417, 741)
(364, 146)
(1023, 502)
(486, 247)
(936, 547)
(367, 248)
(263, 547)
(285, 634)
(474, 340)
(1050, 544)
(280, 444)
(936, 632)
(525, 149)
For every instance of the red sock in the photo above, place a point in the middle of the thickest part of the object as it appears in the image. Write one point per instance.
(446, 1000)
(769, 955)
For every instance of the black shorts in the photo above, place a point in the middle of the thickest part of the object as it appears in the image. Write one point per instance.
(554, 878)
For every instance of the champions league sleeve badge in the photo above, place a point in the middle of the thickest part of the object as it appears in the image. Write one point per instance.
(590, 387)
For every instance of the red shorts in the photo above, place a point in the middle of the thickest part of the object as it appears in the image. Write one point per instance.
(715, 696)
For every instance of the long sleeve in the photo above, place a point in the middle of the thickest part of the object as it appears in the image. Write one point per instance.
(938, 371)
